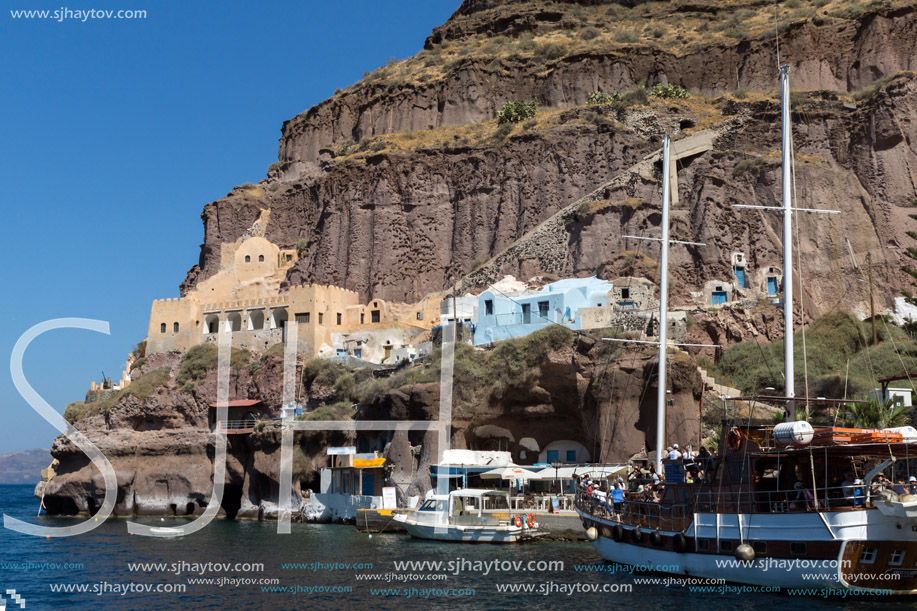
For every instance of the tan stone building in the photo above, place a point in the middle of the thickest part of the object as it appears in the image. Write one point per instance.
(246, 293)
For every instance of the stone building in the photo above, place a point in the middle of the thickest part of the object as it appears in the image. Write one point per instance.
(246, 293)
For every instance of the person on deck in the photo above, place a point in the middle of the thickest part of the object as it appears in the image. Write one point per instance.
(617, 499)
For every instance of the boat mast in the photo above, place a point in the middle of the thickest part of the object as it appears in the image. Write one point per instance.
(787, 242)
(663, 306)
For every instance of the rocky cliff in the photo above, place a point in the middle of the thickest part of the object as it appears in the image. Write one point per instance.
(400, 182)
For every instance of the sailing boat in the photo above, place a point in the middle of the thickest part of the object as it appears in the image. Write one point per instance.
(789, 505)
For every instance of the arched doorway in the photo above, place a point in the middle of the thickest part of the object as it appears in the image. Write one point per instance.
(235, 320)
(255, 320)
(212, 323)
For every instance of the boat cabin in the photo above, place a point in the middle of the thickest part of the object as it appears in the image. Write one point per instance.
(469, 507)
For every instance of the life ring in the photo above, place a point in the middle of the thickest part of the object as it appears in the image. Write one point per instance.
(518, 521)
(734, 439)
(530, 520)
(680, 543)
(617, 532)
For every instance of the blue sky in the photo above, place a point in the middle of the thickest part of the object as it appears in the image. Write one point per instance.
(115, 133)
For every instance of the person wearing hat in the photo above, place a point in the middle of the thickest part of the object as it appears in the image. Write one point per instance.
(848, 488)
(912, 485)
(674, 454)
(858, 493)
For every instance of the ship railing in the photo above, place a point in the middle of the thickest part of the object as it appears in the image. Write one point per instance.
(668, 515)
(778, 501)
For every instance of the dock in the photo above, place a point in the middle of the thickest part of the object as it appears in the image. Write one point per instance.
(564, 526)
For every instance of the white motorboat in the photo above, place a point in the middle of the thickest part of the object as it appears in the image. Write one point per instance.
(471, 515)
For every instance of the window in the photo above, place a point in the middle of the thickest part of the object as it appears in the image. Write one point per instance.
(302, 317)
(553, 455)
(162, 328)
(489, 307)
(625, 293)
(897, 558)
(362, 317)
(760, 547)
(725, 546)
(374, 316)
(339, 318)
(571, 455)
(260, 258)
(420, 316)
(248, 259)
(320, 317)
(289, 258)
(798, 549)
(868, 555)
(174, 327)
(703, 545)
(543, 309)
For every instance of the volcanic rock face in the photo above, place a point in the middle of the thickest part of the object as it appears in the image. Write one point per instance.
(398, 223)
(843, 55)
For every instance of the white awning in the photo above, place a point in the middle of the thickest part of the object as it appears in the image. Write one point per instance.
(593, 471)
(508, 473)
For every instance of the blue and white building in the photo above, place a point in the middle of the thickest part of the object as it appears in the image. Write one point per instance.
(504, 316)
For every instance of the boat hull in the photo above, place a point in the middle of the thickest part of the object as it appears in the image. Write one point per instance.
(836, 564)
(465, 534)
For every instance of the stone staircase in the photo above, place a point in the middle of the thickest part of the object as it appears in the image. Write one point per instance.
(719, 389)
(548, 242)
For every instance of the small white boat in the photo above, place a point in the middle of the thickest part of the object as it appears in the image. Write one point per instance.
(167, 530)
(471, 515)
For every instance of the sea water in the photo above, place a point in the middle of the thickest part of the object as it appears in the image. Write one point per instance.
(248, 565)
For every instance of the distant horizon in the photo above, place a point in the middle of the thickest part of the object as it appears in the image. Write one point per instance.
(117, 133)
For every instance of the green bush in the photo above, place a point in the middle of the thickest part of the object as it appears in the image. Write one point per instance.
(146, 385)
(831, 341)
(254, 368)
(138, 363)
(239, 358)
(75, 411)
(301, 245)
(589, 33)
(601, 97)
(197, 362)
(666, 91)
(516, 111)
(275, 350)
(140, 350)
(635, 97)
(338, 411)
(747, 165)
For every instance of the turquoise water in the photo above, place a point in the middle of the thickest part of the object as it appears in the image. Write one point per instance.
(101, 562)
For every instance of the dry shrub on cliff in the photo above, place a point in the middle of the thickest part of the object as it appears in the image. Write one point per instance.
(75, 411)
(197, 362)
(514, 364)
(341, 410)
(146, 385)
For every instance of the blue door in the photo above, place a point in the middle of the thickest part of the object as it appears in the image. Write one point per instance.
(718, 297)
(553, 456)
(368, 483)
(740, 277)
(772, 286)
